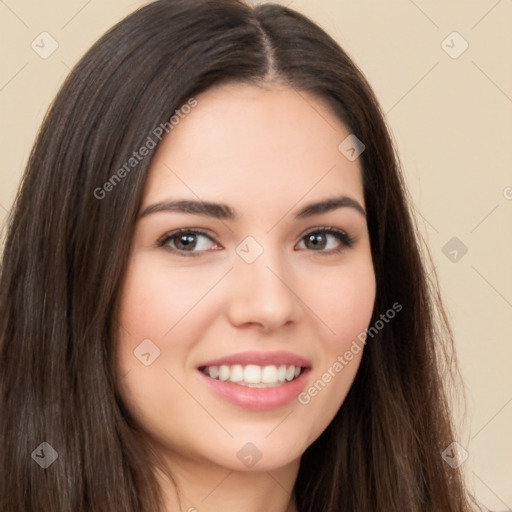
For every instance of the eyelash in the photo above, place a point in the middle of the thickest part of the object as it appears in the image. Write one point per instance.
(346, 241)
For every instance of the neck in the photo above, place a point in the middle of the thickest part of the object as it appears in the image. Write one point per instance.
(205, 487)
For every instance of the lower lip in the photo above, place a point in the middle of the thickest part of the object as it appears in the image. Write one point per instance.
(258, 399)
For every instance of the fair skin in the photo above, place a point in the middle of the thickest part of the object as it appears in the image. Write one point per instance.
(267, 153)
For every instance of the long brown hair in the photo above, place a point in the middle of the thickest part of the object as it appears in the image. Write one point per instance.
(66, 253)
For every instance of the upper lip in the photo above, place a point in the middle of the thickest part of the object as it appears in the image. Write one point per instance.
(259, 358)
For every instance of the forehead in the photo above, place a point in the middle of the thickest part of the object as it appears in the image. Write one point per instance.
(243, 143)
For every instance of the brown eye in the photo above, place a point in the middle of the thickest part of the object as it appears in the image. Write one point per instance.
(189, 241)
(185, 242)
(327, 239)
(316, 241)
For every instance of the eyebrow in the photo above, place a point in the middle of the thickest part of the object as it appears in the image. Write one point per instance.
(225, 212)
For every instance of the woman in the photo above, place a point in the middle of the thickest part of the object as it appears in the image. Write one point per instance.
(212, 291)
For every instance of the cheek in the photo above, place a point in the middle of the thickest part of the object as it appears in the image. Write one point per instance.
(160, 314)
(345, 304)
(153, 309)
(150, 306)
(154, 299)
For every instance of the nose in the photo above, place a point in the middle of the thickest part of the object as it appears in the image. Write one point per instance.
(263, 293)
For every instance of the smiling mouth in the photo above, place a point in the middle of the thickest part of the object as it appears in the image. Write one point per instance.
(254, 376)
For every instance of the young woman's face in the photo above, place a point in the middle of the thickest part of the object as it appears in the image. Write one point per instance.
(250, 263)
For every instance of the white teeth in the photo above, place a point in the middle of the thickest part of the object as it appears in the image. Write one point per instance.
(214, 372)
(224, 372)
(236, 374)
(290, 372)
(269, 374)
(253, 375)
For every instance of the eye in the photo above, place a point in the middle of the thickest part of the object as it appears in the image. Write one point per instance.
(326, 240)
(191, 241)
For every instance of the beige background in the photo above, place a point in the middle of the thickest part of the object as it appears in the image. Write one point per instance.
(452, 120)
